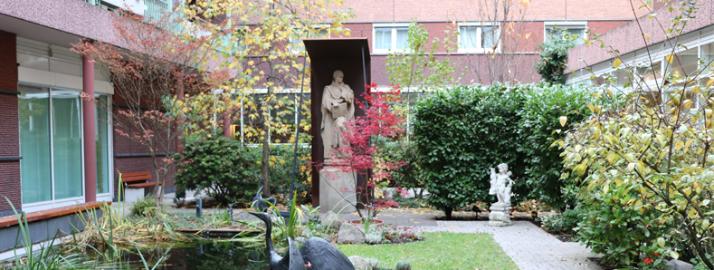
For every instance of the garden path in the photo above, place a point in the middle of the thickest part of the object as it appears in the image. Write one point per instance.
(530, 247)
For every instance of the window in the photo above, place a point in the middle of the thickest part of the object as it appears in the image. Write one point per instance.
(51, 144)
(648, 76)
(683, 64)
(35, 165)
(102, 116)
(390, 39)
(156, 9)
(624, 77)
(707, 58)
(475, 38)
(576, 31)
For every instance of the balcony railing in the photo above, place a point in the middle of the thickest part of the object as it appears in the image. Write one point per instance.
(156, 9)
(152, 10)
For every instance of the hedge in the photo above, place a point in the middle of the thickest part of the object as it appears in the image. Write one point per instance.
(462, 132)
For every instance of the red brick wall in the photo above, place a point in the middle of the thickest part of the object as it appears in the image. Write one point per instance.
(522, 37)
(9, 138)
(361, 30)
(130, 155)
(601, 27)
(520, 51)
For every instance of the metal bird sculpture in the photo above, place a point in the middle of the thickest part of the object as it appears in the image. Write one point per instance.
(261, 204)
(292, 261)
(316, 253)
(321, 255)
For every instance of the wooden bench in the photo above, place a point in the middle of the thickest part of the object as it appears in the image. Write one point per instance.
(135, 185)
(9, 221)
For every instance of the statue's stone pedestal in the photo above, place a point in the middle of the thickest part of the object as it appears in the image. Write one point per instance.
(500, 215)
(337, 189)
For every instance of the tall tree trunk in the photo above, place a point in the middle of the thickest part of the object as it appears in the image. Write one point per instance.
(266, 144)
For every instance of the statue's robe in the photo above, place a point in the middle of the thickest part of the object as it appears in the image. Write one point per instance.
(337, 102)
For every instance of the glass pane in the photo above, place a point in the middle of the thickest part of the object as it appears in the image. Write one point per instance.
(552, 32)
(467, 37)
(624, 77)
(102, 139)
(67, 140)
(684, 64)
(382, 38)
(708, 56)
(34, 114)
(646, 74)
(489, 37)
(577, 34)
(402, 38)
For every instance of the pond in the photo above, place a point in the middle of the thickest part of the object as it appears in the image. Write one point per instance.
(200, 254)
(216, 255)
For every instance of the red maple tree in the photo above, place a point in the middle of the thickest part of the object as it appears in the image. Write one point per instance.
(379, 123)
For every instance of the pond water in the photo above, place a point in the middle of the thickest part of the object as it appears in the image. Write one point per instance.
(205, 254)
(213, 255)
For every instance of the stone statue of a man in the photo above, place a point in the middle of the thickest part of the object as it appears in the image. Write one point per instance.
(501, 184)
(337, 108)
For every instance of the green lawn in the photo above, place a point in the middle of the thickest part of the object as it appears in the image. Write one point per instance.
(442, 251)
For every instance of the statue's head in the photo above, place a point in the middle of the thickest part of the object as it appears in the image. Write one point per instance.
(502, 168)
(338, 76)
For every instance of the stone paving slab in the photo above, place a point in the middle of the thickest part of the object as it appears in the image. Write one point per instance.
(529, 246)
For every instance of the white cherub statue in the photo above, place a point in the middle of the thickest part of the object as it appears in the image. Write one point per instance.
(501, 184)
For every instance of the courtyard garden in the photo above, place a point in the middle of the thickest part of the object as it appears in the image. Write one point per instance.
(444, 175)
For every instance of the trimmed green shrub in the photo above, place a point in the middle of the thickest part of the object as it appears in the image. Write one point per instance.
(405, 176)
(562, 223)
(540, 126)
(225, 170)
(459, 135)
(462, 132)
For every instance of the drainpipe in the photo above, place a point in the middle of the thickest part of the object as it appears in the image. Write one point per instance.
(90, 143)
(179, 120)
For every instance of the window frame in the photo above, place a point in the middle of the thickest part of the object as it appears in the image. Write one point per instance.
(393, 27)
(479, 49)
(53, 202)
(565, 25)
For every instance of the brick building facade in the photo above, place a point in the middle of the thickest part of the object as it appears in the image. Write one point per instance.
(36, 66)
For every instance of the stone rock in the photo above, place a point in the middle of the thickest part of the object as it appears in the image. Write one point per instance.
(331, 220)
(374, 236)
(350, 234)
(403, 266)
(678, 265)
(500, 215)
(337, 189)
(361, 263)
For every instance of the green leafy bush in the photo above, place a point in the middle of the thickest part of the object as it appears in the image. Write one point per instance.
(461, 133)
(281, 167)
(562, 223)
(405, 176)
(554, 59)
(540, 126)
(145, 207)
(225, 170)
(645, 177)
